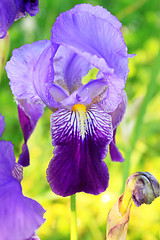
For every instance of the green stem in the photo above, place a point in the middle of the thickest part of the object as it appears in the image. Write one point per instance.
(73, 218)
(136, 132)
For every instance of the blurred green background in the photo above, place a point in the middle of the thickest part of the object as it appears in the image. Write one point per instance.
(138, 136)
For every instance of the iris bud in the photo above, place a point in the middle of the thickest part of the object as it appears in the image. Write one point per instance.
(146, 188)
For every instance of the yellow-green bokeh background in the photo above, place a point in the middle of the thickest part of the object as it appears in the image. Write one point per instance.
(141, 29)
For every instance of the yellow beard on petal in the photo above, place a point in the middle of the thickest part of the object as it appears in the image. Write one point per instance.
(82, 117)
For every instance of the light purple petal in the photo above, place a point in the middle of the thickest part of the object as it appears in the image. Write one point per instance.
(20, 70)
(118, 114)
(112, 97)
(29, 114)
(2, 125)
(99, 12)
(93, 38)
(93, 89)
(44, 76)
(114, 151)
(69, 68)
(20, 216)
(86, 93)
(80, 145)
(58, 93)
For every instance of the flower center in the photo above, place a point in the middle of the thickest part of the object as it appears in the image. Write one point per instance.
(80, 109)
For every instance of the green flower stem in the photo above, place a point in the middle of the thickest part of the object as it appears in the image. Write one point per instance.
(73, 218)
(136, 132)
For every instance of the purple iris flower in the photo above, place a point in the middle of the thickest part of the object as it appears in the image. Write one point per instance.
(11, 10)
(19, 216)
(85, 116)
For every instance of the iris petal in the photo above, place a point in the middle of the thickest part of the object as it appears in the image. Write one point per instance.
(22, 77)
(22, 82)
(44, 76)
(29, 114)
(118, 114)
(117, 117)
(114, 151)
(81, 141)
(82, 32)
(69, 68)
(20, 216)
(112, 97)
(93, 88)
(99, 12)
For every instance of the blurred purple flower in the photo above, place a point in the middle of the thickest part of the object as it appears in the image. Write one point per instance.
(20, 216)
(85, 117)
(11, 10)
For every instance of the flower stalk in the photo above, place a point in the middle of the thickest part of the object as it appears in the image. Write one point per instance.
(73, 233)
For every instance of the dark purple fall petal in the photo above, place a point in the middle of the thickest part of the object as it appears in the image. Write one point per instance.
(29, 114)
(79, 149)
(117, 117)
(114, 151)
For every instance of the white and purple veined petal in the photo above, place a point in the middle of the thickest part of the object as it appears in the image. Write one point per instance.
(80, 138)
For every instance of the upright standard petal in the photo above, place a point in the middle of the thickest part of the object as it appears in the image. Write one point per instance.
(100, 12)
(80, 138)
(95, 38)
(99, 41)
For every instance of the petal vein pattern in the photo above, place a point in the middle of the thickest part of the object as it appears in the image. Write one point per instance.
(81, 144)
